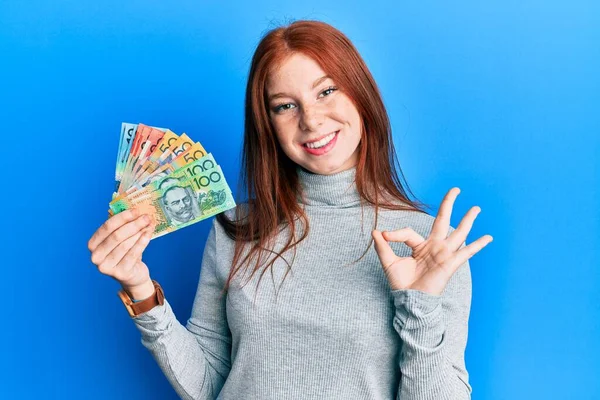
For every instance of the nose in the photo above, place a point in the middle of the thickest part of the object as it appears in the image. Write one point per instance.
(311, 118)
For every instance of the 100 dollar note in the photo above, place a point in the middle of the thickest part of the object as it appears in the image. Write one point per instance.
(183, 201)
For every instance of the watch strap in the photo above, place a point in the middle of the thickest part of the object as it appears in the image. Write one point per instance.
(136, 308)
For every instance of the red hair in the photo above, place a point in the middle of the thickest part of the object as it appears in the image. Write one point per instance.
(270, 177)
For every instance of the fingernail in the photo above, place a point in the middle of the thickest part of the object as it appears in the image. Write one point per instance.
(146, 219)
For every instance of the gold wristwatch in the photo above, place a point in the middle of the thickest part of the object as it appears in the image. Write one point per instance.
(140, 307)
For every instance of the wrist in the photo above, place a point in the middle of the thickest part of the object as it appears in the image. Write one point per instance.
(140, 292)
(153, 298)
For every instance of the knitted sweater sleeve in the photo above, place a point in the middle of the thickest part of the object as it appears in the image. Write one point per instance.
(433, 330)
(195, 358)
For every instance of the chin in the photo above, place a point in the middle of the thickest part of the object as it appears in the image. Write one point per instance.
(324, 166)
(325, 169)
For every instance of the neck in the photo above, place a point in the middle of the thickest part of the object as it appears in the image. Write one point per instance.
(335, 190)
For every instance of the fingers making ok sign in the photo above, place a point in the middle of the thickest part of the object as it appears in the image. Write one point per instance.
(434, 260)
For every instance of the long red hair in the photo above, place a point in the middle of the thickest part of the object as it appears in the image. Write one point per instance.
(269, 178)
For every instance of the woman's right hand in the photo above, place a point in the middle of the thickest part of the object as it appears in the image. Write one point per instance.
(117, 248)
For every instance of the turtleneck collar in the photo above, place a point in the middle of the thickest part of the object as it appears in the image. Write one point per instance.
(336, 190)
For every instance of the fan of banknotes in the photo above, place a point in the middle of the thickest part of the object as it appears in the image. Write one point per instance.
(169, 177)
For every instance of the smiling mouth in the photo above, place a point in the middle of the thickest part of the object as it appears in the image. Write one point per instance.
(321, 142)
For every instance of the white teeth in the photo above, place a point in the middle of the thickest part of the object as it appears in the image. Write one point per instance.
(322, 142)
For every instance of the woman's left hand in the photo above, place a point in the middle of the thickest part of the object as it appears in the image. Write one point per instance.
(435, 260)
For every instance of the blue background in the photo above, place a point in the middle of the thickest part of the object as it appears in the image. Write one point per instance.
(500, 99)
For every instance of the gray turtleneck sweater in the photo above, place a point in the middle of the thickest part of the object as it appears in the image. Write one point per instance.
(334, 331)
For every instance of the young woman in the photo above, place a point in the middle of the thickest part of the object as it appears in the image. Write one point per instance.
(367, 296)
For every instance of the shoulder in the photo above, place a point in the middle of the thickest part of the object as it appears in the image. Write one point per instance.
(239, 212)
(218, 229)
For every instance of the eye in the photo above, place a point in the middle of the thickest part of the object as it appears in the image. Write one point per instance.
(328, 91)
(283, 107)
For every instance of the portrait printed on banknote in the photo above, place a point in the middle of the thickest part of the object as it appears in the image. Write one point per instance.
(179, 205)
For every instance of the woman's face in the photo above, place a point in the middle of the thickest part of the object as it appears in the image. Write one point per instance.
(318, 126)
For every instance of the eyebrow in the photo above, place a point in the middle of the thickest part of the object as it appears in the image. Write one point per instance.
(314, 85)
